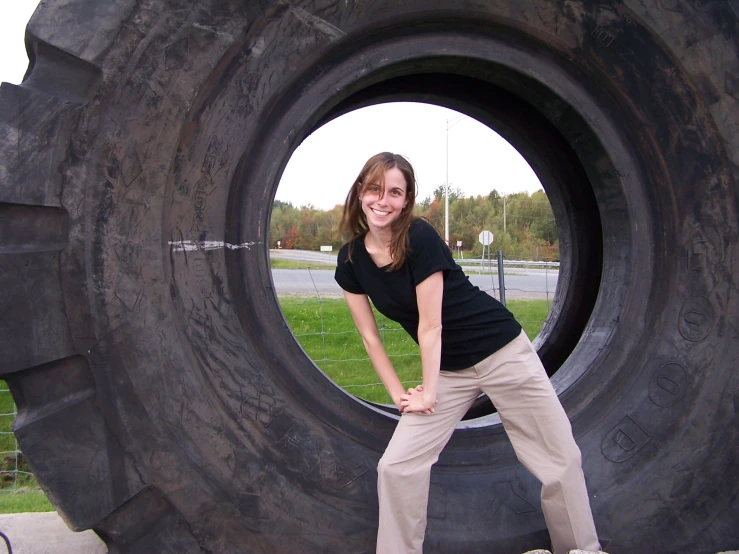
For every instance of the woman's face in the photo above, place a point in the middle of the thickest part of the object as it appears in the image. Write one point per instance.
(380, 207)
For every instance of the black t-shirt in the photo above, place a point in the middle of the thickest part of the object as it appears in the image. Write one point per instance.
(473, 323)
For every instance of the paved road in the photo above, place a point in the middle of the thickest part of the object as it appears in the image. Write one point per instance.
(309, 256)
(519, 283)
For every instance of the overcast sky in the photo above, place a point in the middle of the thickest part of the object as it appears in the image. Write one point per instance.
(14, 15)
(325, 165)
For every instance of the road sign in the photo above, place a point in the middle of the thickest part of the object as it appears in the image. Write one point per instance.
(486, 238)
(459, 244)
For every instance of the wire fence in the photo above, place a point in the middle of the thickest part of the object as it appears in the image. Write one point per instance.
(334, 345)
(320, 321)
(14, 474)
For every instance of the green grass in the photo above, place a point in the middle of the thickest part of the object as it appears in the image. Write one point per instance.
(7, 439)
(19, 491)
(280, 263)
(530, 314)
(339, 351)
(24, 500)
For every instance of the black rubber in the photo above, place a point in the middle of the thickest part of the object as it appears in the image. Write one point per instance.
(164, 403)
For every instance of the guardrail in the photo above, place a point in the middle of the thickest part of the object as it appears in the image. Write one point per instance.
(507, 263)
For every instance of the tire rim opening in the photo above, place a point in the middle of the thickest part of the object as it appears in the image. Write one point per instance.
(507, 201)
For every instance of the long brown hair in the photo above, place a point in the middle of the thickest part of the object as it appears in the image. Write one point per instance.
(353, 220)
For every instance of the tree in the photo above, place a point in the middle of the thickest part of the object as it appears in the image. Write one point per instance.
(435, 215)
(454, 194)
(530, 226)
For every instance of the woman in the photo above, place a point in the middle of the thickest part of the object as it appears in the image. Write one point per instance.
(469, 344)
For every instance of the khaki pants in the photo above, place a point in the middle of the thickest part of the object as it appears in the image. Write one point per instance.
(537, 426)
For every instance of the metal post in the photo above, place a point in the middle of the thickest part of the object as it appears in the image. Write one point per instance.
(449, 124)
(501, 278)
(504, 227)
(446, 189)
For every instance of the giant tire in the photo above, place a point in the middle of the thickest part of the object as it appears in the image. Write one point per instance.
(163, 401)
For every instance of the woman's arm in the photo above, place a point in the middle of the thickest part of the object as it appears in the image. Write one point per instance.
(429, 294)
(364, 319)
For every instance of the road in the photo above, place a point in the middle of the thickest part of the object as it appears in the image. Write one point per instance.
(519, 283)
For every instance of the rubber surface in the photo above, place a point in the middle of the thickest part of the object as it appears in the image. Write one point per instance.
(164, 403)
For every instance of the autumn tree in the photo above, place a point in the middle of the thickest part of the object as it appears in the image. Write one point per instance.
(523, 225)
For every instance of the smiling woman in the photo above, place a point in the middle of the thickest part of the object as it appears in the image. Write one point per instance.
(162, 399)
(383, 201)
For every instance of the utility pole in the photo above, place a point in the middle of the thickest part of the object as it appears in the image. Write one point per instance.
(449, 124)
(504, 201)
(446, 189)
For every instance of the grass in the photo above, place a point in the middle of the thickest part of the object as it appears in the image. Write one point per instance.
(280, 263)
(24, 500)
(530, 314)
(326, 332)
(19, 491)
(339, 351)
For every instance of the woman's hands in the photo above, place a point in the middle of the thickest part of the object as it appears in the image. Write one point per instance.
(416, 401)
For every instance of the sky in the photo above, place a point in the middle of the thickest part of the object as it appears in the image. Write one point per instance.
(325, 165)
(14, 15)
(479, 159)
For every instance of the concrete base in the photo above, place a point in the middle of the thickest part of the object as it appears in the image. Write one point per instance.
(46, 533)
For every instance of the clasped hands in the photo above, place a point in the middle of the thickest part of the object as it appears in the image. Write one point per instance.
(415, 401)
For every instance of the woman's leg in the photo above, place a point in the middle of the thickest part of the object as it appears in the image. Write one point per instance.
(541, 435)
(404, 470)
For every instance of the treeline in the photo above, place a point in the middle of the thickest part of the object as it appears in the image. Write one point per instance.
(522, 225)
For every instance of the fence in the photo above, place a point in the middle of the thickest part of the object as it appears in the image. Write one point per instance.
(334, 345)
(320, 321)
(13, 471)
